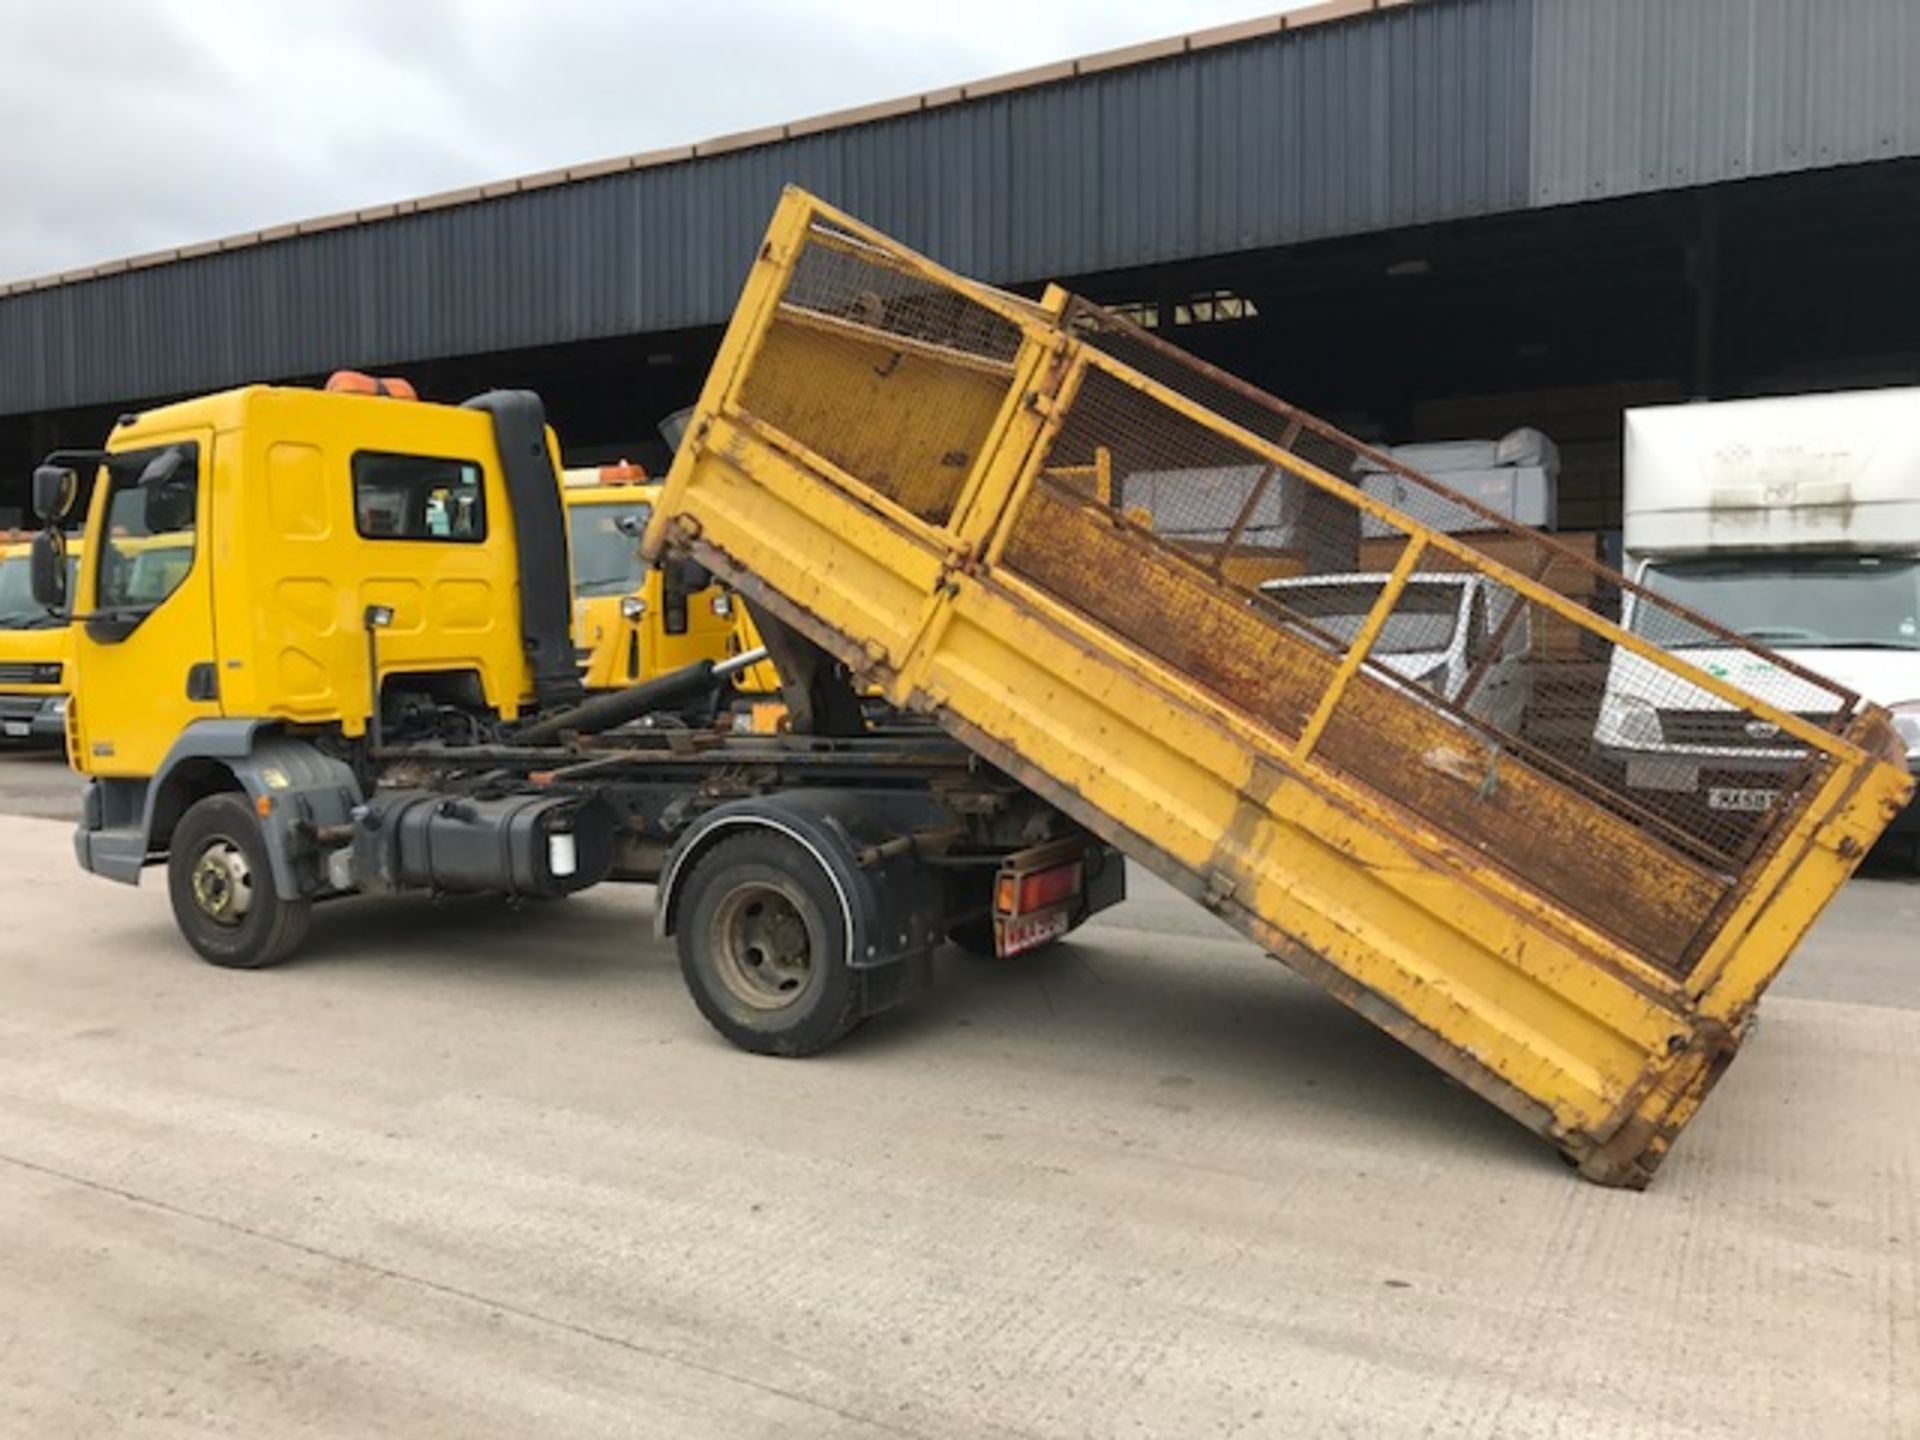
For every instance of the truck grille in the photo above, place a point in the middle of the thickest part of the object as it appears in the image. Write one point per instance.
(1729, 730)
(29, 672)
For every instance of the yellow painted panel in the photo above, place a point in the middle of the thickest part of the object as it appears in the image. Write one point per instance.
(305, 681)
(296, 490)
(308, 602)
(407, 599)
(464, 606)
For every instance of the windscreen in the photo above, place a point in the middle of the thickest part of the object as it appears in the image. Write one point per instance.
(1422, 620)
(16, 599)
(18, 609)
(1788, 602)
(606, 547)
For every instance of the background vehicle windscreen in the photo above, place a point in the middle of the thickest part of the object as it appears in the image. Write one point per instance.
(18, 609)
(606, 548)
(1837, 601)
(1423, 620)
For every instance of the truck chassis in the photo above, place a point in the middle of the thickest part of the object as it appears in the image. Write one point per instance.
(807, 881)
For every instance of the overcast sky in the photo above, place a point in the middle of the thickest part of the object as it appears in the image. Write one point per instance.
(136, 125)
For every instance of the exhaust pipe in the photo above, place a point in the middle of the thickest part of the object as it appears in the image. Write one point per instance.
(603, 712)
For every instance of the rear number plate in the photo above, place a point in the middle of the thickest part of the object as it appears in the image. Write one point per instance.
(15, 729)
(1025, 932)
(1722, 797)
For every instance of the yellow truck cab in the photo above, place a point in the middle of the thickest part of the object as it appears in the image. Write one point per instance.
(35, 649)
(264, 562)
(629, 624)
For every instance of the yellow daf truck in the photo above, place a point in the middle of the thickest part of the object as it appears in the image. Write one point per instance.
(322, 647)
(628, 624)
(1038, 534)
(34, 652)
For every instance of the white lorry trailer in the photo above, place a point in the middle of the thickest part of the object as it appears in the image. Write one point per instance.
(1795, 523)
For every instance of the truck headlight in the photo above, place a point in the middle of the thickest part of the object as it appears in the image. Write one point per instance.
(632, 607)
(723, 606)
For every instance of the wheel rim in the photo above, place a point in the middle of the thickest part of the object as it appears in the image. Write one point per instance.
(763, 946)
(222, 882)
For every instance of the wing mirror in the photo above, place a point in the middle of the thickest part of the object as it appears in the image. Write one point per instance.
(681, 578)
(47, 569)
(687, 575)
(55, 488)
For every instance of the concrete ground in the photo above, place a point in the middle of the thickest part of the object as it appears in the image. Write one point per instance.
(37, 782)
(470, 1171)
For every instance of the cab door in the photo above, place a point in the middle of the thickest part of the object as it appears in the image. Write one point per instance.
(684, 625)
(144, 642)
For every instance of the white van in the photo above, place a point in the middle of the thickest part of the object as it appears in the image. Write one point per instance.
(1793, 522)
(1439, 633)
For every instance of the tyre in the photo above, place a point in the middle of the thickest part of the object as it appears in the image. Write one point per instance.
(221, 884)
(763, 947)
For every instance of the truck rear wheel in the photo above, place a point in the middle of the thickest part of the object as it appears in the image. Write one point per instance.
(763, 947)
(221, 884)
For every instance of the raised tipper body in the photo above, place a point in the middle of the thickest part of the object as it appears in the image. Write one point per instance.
(1047, 529)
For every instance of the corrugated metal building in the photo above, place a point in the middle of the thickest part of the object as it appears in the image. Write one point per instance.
(1386, 162)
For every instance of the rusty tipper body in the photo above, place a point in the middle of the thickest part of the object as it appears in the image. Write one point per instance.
(1048, 529)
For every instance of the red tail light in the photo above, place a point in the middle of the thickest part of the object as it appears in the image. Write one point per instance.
(1023, 894)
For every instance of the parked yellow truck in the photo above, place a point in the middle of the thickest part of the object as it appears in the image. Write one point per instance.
(630, 621)
(1037, 532)
(34, 651)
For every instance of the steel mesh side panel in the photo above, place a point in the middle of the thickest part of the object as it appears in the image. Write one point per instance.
(1091, 559)
(1253, 579)
(1247, 580)
(1562, 694)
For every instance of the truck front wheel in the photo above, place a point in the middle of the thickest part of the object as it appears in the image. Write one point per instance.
(763, 947)
(221, 884)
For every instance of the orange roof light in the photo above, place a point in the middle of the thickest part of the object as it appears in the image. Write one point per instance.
(353, 382)
(623, 473)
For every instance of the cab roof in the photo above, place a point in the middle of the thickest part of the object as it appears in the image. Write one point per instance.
(227, 410)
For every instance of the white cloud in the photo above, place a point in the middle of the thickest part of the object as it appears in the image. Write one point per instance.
(131, 125)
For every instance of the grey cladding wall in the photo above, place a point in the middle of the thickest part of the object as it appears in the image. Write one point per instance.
(1637, 95)
(1412, 114)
